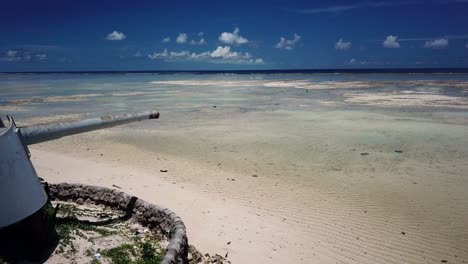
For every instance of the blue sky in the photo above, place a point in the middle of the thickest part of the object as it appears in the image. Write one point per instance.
(201, 35)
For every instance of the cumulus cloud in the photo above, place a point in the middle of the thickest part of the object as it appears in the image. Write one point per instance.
(288, 44)
(226, 53)
(182, 38)
(219, 55)
(342, 45)
(232, 38)
(352, 61)
(166, 40)
(200, 42)
(436, 43)
(116, 35)
(391, 42)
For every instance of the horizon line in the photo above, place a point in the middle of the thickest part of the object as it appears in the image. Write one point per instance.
(311, 70)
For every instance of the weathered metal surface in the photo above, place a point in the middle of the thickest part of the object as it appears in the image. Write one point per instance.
(21, 193)
(40, 133)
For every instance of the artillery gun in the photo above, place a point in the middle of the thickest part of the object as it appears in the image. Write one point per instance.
(22, 196)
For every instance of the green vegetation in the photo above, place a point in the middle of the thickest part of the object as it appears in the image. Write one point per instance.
(68, 210)
(141, 252)
(136, 250)
(67, 230)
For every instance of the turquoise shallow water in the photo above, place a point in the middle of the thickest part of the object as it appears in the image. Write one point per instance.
(314, 121)
(91, 94)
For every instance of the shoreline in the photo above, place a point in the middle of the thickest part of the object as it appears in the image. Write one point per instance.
(211, 225)
(262, 219)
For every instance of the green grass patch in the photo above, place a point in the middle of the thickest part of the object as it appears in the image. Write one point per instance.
(140, 252)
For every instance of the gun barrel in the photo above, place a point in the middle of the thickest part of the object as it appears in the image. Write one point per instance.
(41, 133)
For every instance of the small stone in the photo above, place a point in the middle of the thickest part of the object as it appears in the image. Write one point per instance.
(364, 153)
(255, 175)
(102, 154)
(444, 261)
(229, 243)
(163, 170)
(399, 151)
(79, 201)
(233, 179)
(403, 233)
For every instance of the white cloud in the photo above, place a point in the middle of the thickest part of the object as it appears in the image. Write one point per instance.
(288, 44)
(200, 42)
(200, 34)
(226, 53)
(219, 55)
(166, 40)
(115, 35)
(391, 42)
(182, 38)
(10, 55)
(232, 38)
(138, 54)
(436, 44)
(22, 55)
(352, 61)
(341, 45)
(466, 46)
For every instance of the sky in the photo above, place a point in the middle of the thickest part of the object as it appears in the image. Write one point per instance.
(232, 35)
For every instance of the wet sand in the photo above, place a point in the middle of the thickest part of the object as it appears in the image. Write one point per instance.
(290, 186)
